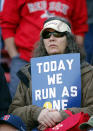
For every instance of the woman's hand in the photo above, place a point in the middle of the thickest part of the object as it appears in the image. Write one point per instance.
(48, 118)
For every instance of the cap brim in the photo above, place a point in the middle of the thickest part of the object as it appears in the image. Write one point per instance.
(49, 27)
(85, 125)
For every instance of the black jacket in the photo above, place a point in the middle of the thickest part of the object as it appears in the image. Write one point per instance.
(5, 98)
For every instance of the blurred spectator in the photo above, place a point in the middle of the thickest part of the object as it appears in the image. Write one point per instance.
(89, 36)
(22, 22)
(5, 98)
(11, 123)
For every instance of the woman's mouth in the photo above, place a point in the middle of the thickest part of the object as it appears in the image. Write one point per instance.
(52, 45)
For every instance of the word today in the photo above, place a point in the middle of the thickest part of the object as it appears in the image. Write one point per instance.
(54, 66)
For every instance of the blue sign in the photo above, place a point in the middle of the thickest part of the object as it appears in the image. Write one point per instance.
(56, 81)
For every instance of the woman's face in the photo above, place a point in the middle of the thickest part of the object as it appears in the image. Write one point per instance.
(55, 45)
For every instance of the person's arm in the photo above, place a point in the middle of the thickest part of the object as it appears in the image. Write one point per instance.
(22, 106)
(32, 115)
(80, 40)
(11, 47)
(10, 18)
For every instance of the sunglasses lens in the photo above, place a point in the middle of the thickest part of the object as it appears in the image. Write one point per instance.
(57, 34)
(47, 34)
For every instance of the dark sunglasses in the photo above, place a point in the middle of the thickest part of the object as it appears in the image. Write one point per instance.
(47, 34)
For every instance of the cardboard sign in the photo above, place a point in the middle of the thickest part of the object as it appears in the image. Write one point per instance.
(56, 81)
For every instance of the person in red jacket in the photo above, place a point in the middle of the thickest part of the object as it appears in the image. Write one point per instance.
(21, 22)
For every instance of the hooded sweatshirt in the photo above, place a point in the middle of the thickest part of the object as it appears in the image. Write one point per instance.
(23, 20)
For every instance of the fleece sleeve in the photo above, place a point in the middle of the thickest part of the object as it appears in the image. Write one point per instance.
(79, 17)
(9, 18)
(22, 107)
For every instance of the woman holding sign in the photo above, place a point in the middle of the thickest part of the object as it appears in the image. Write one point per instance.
(56, 38)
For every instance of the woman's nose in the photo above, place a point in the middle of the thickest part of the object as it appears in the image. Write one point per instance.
(52, 36)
